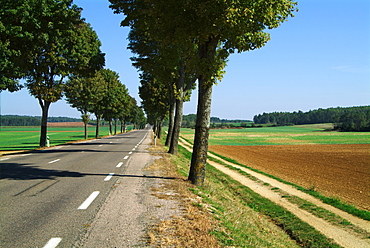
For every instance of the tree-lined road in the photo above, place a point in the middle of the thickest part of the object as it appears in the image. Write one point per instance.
(49, 197)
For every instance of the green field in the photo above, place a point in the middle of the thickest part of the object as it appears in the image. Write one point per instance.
(285, 135)
(27, 138)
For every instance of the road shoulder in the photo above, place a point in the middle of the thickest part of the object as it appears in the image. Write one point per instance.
(131, 207)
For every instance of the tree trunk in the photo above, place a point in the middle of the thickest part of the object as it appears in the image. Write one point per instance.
(176, 128)
(206, 53)
(159, 129)
(179, 111)
(97, 126)
(115, 126)
(85, 127)
(171, 122)
(44, 121)
(121, 121)
(200, 148)
(110, 127)
(85, 118)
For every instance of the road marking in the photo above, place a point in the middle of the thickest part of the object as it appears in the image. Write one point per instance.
(110, 142)
(119, 164)
(56, 160)
(100, 145)
(89, 200)
(110, 175)
(133, 149)
(130, 153)
(126, 157)
(25, 154)
(52, 243)
(4, 159)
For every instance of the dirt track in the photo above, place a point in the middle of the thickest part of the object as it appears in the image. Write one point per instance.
(334, 170)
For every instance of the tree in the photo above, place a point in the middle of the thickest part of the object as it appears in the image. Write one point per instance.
(218, 28)
(126, 116)
(171, 65)
(58, 43)
(111, 98)
(111, 101)
(154, 101)
(84, 93)
(14, 42)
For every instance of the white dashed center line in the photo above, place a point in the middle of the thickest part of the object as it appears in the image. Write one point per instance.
(89, 200)
(56, 160)
(126, 157)
(110, 175)
(52, 243)
(130, 153)
(119, 164)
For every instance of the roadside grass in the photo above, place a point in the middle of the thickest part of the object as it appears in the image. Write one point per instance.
(27, 138)
(245, 218)
(192, 226)
(326, 215)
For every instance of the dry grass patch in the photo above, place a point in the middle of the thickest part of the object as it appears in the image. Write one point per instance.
(190, 229)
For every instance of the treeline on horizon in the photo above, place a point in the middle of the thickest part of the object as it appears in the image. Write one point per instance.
(24, 120)
(344, 118)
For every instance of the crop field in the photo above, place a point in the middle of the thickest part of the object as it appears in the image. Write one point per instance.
(336, 164)
(27, 138)
(291, 135)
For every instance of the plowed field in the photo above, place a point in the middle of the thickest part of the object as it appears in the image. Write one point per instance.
(67, 124)
(334, 170)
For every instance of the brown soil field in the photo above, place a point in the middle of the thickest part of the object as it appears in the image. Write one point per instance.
(66, 124)
(341, 171)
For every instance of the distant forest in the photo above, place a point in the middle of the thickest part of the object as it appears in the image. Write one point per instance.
(20, 120)
(344, 119)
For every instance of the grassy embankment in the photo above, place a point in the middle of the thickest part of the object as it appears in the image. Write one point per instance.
(244, 218)
(236, 206)
(289, 135)
(27, 138)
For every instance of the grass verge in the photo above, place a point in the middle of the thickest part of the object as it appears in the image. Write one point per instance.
(239, 216)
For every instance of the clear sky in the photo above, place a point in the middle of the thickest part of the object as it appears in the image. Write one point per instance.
(318, 59)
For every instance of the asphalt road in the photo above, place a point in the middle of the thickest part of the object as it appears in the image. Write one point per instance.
(48, 197)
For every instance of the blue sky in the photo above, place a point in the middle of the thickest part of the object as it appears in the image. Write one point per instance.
(318, 59)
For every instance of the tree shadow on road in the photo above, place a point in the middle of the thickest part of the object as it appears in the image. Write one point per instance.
(17, 171)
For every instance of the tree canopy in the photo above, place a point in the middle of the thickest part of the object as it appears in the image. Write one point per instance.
(217, 28)
(45, 41)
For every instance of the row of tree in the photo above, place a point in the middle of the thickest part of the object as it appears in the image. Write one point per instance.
(106, 97)
(46, 42)
(180, 42)
(345, 119)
